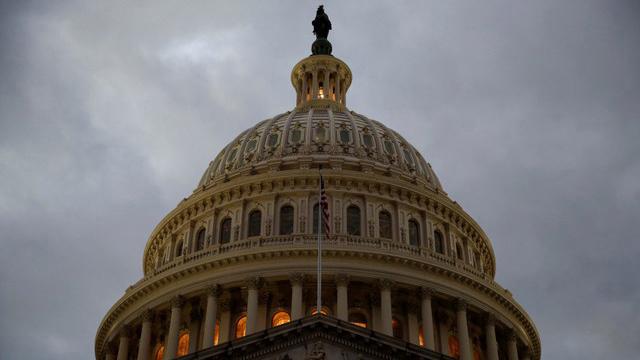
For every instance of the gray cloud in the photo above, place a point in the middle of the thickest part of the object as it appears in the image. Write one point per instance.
(110, 111)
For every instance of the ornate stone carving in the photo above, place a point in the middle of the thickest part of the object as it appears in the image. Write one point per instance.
(177, 302)
(215, 290)
(342, 280)
(461, 305)
(386, 284)
(316, 352)
(253, 282)
(296, 278)
(426, 292)
(147, 315)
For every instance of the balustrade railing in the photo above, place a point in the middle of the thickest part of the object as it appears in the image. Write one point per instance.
(309, 241)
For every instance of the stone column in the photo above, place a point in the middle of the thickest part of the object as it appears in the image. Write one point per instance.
(412, 322)
(110, 355)
(374, 300)
(123, 346)
(428, 330)
(195, 320)
(296, 279)
(463, 330)
(210, 316)
(225, 320)
(512, 345)
(253, 285)
(326, 84)
(305, 86)
(490, 333)
(314, 84)
(174, 328)
(386, 314)
(144, 346)
(337, 80)
(342, 283)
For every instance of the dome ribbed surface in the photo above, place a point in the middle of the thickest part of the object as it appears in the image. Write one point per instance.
(322, 136)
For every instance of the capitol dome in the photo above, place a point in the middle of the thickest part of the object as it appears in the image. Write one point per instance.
(231, 272)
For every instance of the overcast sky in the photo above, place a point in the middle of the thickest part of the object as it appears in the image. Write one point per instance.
(527, 110)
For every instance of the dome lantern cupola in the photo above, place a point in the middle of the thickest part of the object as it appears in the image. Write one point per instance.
(321, 80)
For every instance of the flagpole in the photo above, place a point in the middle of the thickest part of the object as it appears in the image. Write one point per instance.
(319, 286)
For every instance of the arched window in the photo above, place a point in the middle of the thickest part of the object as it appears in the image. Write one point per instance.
(384, 223)
(397, 328)
(183, 344)
(200, 239)
(439, 242)
(414, 233)
(353, 220)
(159, 353)
(358, 319)
(255, 223)
(323, 310)
(225, 231)
(459, 251)
(241, 326)
(179, 247)
(216, 334)
(421, 336)
(316, 211)
(280, 318)
(286, 220)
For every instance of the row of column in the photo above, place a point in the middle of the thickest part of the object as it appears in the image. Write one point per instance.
(342, 312)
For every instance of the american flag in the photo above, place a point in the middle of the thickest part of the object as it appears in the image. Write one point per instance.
(324, 206)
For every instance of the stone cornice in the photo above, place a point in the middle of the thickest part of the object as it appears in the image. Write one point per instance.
(147, 286)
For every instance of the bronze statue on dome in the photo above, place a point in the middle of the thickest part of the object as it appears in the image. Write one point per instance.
(321, 27)
(321, 24)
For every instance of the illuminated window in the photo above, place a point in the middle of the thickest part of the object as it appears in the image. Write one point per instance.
(358, 319)
(414, 233)
(397, 328)
(286, 220)
(353, 220)
(439, 242)
(384, 222)
(200, 239)
(216, 335)
(183, 344)
(225, 231)
(159, 353)
(323, 310)
(454, 347)
(280, 318)
(421, 336)
(320, 91)
(255, 223)
(241, 327)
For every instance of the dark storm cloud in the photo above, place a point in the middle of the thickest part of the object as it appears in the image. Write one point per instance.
(110, 111)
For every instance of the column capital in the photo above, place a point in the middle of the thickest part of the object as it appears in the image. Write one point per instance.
(342, 279)
(426, 292)
(264, 297)
(386, 284)
(461, 305)
(253, 282)
(125, 331)
(177, 302)
(296, 278)
(225, 304)
(147, 315)
(490, 319)
(214, 290)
